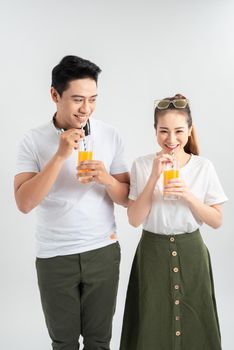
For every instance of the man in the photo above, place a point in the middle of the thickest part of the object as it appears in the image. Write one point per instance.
(77, 251)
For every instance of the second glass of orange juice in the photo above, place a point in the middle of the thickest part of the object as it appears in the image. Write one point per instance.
(85, 151)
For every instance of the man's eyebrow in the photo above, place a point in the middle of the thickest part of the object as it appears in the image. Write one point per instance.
(83, 96)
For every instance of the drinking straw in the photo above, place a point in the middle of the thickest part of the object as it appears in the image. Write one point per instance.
(84, 141)
(173, 153)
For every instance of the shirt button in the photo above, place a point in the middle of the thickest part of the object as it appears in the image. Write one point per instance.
(175, 269)
(177, 302)
(172, 239)
(177, 286)
(178, 333)
(174, 253)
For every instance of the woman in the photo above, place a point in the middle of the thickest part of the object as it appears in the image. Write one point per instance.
(170, 301)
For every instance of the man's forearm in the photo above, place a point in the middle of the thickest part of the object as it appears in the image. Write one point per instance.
(118, 191)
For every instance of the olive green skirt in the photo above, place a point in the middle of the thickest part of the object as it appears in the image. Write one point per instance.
(170, 301)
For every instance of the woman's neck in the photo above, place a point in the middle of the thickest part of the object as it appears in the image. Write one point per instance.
(183, 158)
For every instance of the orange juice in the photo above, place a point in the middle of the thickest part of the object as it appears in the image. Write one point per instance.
(170, 174)
(84, 155)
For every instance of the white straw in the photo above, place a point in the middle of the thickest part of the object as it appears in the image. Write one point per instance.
(84, 141)
(173, 153)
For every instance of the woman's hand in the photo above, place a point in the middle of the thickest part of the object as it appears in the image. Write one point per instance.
(178, 188)
(159, 164)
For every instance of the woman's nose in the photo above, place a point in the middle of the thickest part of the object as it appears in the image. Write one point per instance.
(172, 138)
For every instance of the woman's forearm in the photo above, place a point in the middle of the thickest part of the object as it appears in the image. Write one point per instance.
(210, 215)
(138, 210)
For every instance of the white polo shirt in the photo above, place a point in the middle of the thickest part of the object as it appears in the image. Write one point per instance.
(174, 216)
(73, 217)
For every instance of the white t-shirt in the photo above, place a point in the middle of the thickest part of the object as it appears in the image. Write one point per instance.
(73, 217)
(174, 216)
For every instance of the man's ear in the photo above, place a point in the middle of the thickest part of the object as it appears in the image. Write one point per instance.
(54, 94)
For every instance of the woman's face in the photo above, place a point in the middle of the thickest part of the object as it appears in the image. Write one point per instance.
(172, 131)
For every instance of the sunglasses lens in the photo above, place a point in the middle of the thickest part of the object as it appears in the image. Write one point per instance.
(163, 104)
(177, 103)
(180, 103)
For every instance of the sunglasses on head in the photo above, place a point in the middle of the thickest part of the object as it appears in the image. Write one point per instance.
(179, 103)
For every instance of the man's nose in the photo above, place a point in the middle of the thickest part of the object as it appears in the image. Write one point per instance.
(85, 107)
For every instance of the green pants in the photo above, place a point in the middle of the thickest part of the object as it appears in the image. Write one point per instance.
(78, 295)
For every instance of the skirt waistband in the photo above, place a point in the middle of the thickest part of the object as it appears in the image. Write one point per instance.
(178, 237)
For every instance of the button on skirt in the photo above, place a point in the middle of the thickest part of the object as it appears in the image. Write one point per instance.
(170, 302)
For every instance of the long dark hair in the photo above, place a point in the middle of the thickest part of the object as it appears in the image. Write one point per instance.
(192, 144)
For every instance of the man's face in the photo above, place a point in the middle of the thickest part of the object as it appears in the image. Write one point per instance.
(76, 104)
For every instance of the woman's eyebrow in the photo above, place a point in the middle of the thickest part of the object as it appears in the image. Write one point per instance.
(178, 127)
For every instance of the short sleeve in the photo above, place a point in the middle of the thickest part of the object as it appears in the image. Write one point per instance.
(214, 193)
(26, 158)
(118, 164)
(133, 193)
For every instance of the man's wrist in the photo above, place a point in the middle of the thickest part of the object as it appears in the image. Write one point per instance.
(58, 159)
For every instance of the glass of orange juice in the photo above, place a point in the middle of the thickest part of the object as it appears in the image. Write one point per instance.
(85, 151)
(170, 172)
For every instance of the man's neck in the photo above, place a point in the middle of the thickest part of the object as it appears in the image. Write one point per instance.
(56, 122)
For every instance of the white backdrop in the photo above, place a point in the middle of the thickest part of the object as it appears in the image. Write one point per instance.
(147, 49)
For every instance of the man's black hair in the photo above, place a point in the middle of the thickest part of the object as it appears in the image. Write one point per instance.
(72, 68)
